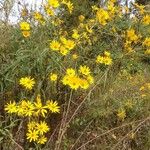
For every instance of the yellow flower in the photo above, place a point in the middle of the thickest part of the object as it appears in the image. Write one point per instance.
(84, 70)
(142, 88)
(31, 125)
(94, 8)
(63, 50)
(69, 44)
(39, 108)
(25, 26)
(70, 72)
(53, 77)
(88, 29)
(81, 18)
(74, 56)
(140, 8)
(27, 82)
(11, 107)
(131, 35)
(71, 80)
(53, 3)
(26, 108)
(21, 108)
(26, 33)
(42, 140)
(129, 104)
(69, 5)
(121, 114)
(50, 12)
(107, 54)
(75, 34)
(102, 16)
(53, 106)
(32, 135)
(84, 84)
(37, 16)
(81, 25)
(65, 80)
(146, 42)
(63, 40)
(146, 20)
(99, 59)
(114, 30)
(90, 79)
(42, 127)
(74, 82)
(107, 61)
(148, 85)
(127, 46)
(143, 95)
(147, 52)
(55, 45)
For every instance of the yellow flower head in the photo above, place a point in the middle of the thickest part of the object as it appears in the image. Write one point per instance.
(146, 42)
(147, 52)
(53, 77)
(88, 29)
(146, 20)
(63, 50)
(31, 125)
(75, 34)
(53, 106)
(84, 84)
(63, 40)
(70, 72)
(39, 108)
(121, 114)
(65, 80)
(141, 8)
(74, 56)
(32, 135)
(107, 54)
(102, 16)
(131, 36)
(27, 82)
(42, 140)
(53, 3)
(81, 18)
(49, 11)
(99, 59)
(107, 61)
(25, 26)
(26, 33)
(26, 108)
(55, 45)
(69, 44)
(42, 127)
(74, 82)
(94, 8)
(84, 70)
(90, 79)
(38, 16)
(68, 4)
(11, 108)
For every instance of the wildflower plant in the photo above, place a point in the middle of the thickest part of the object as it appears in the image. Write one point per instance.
(68, 59)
